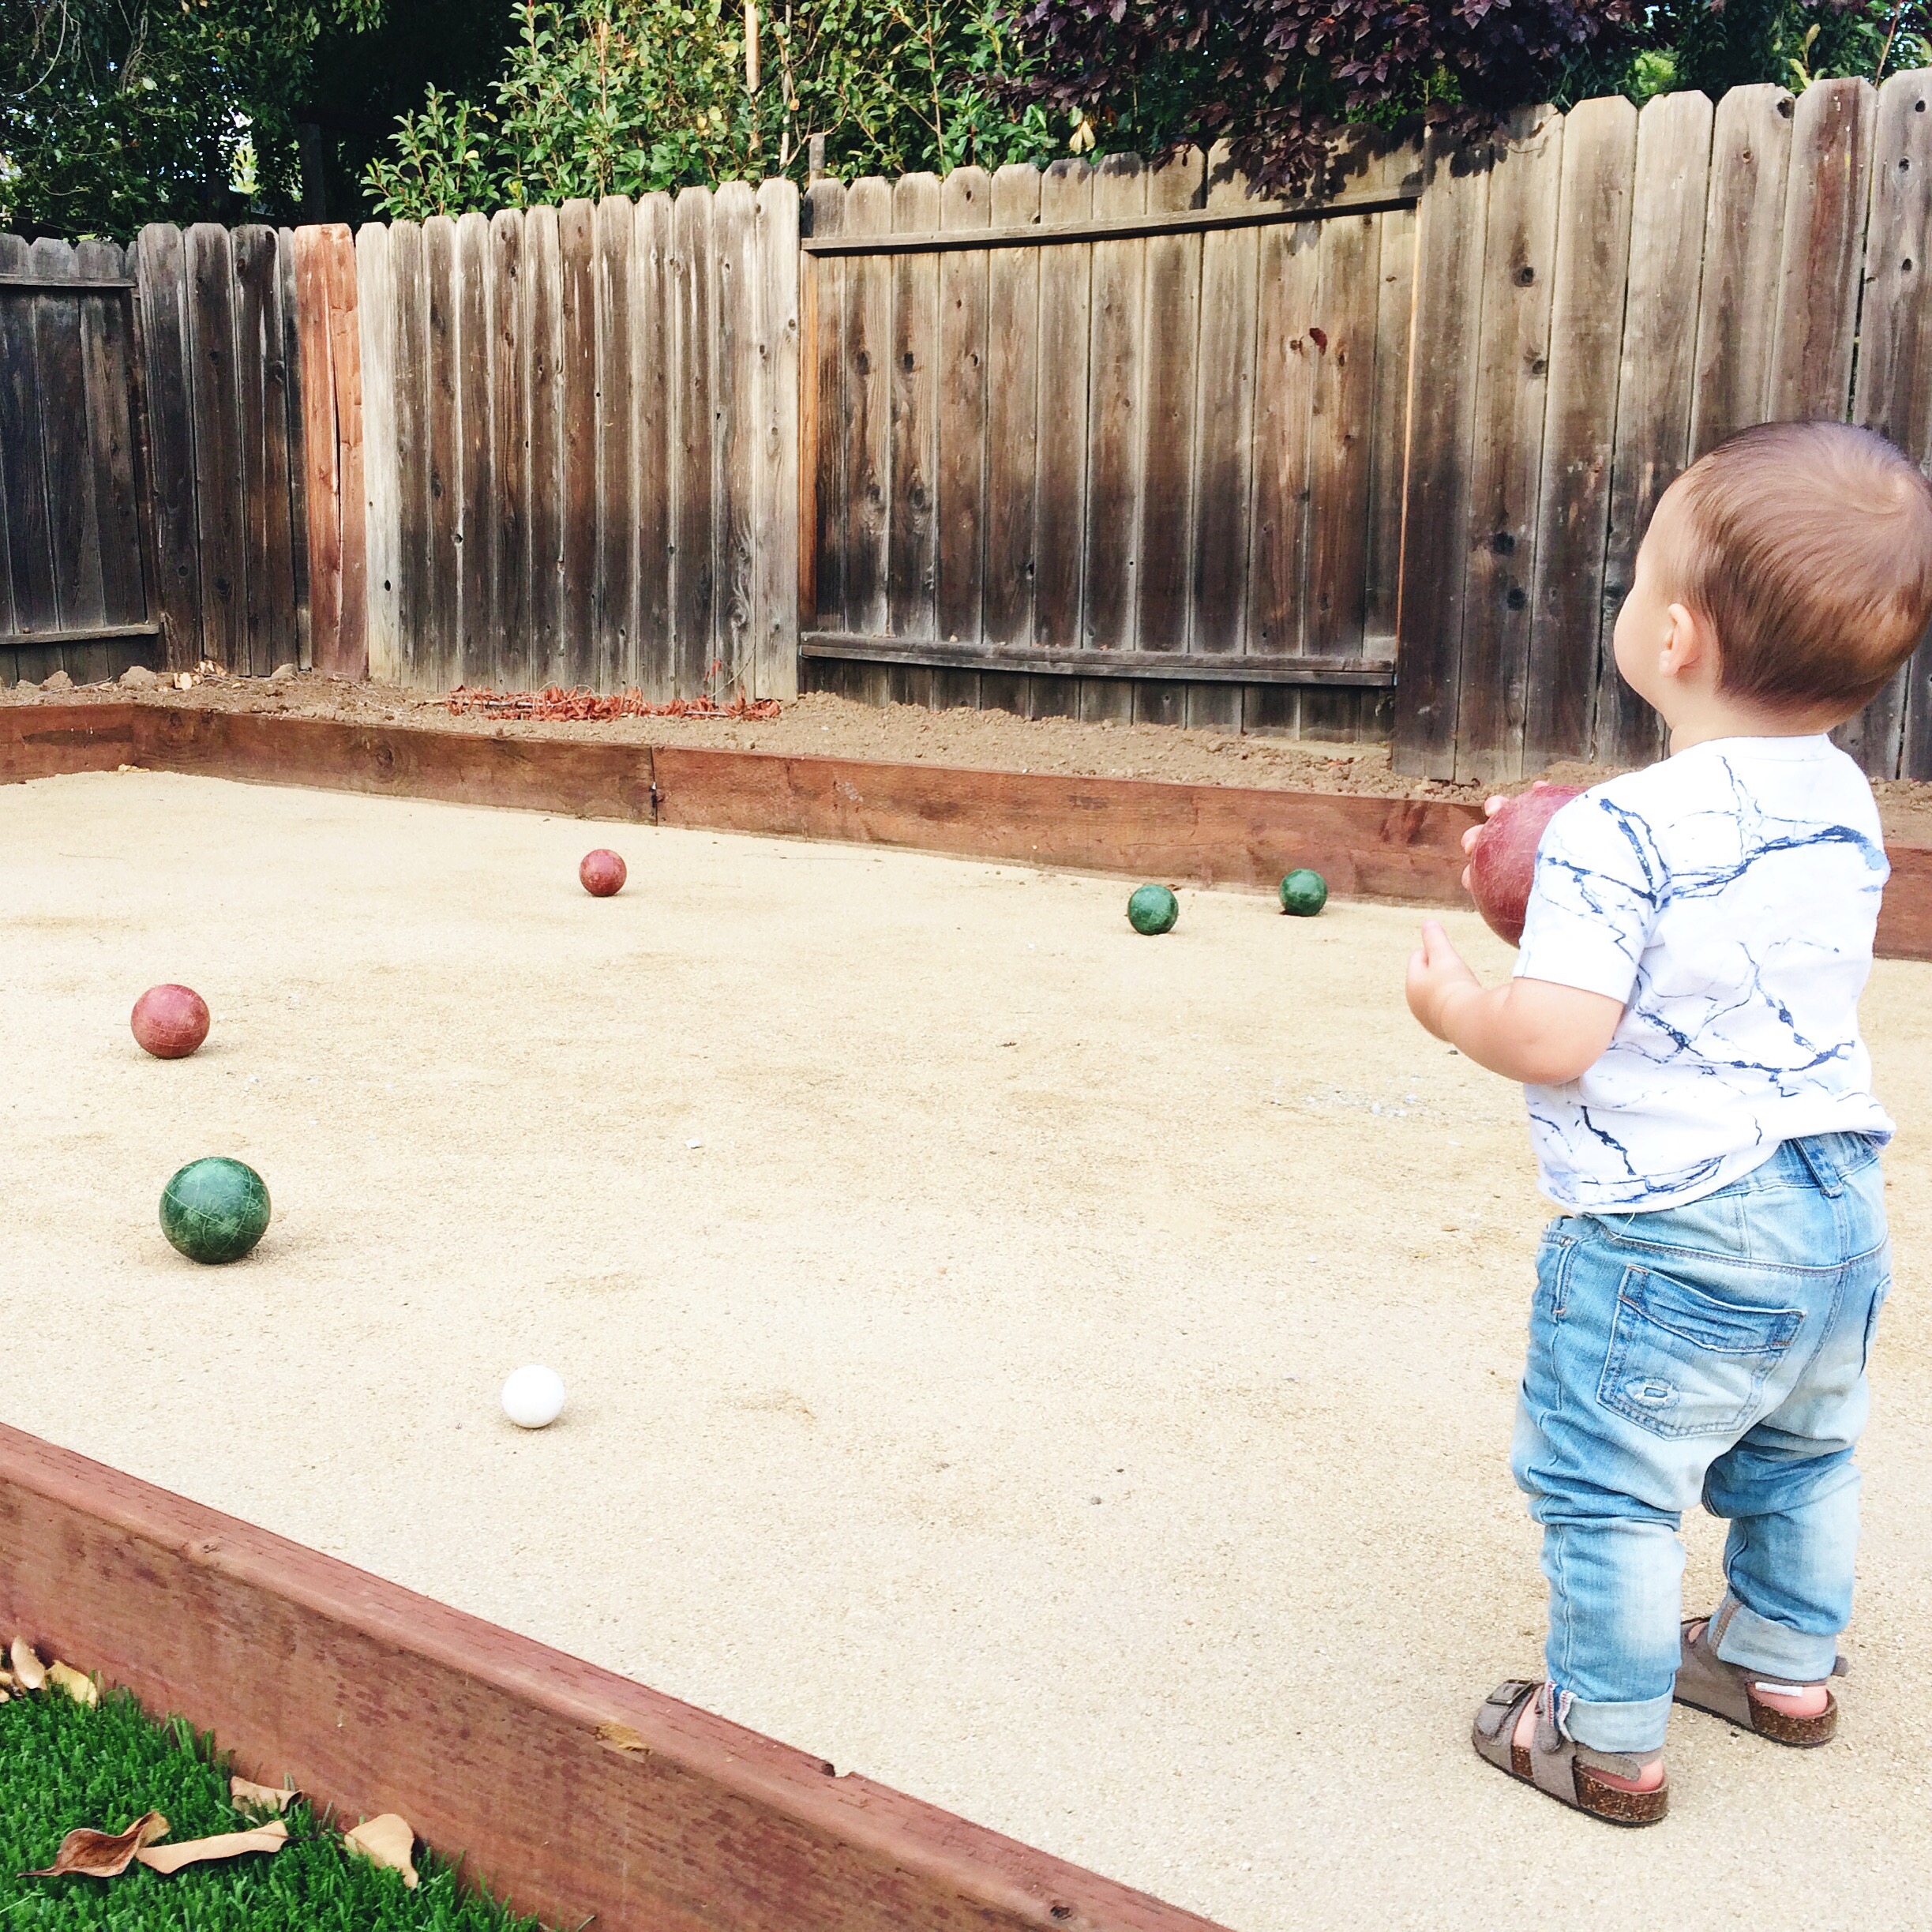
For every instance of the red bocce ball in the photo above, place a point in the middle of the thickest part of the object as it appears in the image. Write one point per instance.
(1503, 863)
(602, 873)
(171, 1021)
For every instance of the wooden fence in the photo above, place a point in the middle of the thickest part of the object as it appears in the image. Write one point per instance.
(1113, 441)
(579, 434)
(1616, 294)
(223, 369)
(75, 560)
(1110, 441)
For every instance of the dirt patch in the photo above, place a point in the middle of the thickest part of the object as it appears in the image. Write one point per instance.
(820, 725)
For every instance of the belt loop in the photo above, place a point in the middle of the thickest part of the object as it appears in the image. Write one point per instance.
(1812, 1150)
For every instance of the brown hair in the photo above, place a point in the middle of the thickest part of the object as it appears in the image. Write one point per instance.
(1808, 550)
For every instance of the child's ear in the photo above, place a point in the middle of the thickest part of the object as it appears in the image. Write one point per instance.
(1689, 647)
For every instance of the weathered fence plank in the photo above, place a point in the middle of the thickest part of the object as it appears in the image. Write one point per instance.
(615, 620)
(1170, 335)
(159, 267)
(868, 392)
(442, 372)
(963, 398)
(320, 453)
(478, 627)
(1654, 383)
(73, 527)
(1572, 515)
(376, 344)
(1012, 419)
(912, 549)
(1743, 248)
(824, 600)
(539, 658)
(1060, 488)
(770, 668)
(734, 512)
(219, 475)
(1223, 454)
(577, 615)
(1820, 269)
(1450, 252)
(106, 378)
(509, 451)
(1116, 380)
(651, 664)
(1512, 390)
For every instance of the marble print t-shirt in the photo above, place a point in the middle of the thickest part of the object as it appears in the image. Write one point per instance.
(1728, 896)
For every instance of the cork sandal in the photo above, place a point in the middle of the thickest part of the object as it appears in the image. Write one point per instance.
(1559, 1766)
(1706, 1683)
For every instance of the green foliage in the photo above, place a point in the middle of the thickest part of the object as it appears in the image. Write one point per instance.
(116, 112)
(627, 96)
(62, 1764)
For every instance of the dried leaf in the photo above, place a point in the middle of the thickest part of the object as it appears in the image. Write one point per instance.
(269, 1837)
(386, 1841)
(27, 1665)
(102, 1854)
(6, 1680)
(82, 1688)
(261, 1797)
(621, 1738)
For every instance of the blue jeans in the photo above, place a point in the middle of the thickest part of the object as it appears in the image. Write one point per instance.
(1715, 1350)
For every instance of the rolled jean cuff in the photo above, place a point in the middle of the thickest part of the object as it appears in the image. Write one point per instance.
(1626, 1727)
(1754, 1643)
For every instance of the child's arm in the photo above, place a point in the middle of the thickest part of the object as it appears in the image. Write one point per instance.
(1529, 1029)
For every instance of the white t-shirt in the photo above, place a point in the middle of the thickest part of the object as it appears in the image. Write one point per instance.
(1728, 895)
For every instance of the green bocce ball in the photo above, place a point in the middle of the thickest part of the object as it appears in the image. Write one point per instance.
(1151, 909)
(215, 1211)
(1303, 893)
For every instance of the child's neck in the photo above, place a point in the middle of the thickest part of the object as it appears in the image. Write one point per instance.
(1695, 717)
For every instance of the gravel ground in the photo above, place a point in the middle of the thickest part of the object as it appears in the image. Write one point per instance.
(1065, 1375)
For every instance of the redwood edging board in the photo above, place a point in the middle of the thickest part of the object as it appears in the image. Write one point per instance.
(1407, 850)
(573, 1792)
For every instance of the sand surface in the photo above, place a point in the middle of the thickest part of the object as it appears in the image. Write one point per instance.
(1069, 1377)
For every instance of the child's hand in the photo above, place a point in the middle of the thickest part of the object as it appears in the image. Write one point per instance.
(1491, 806)
(1436, 971)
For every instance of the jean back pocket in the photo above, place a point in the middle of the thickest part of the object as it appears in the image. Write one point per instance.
(1683, 1363)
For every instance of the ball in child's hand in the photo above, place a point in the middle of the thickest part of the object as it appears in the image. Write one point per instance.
(1502, 864)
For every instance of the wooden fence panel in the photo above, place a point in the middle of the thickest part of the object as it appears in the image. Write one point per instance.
(1894, 737)
(539, 657)
(1012, 420)
(31, 604)
(376, 347)
(1822, 265)
(1450, 250)
(734, 513)
(823, 599)
(509, 450)
(408, 250)
(576, 240)
(1512, 390)
(1743, 249)
(1654, 386)
(1060, 491)
(963, 398)
(911, 550)
(1573, 514)
(615, 617)
(478, 637)
(650, 662)
(1169, 341)
(219, 512)
(320, 447)
(73, 527)
(441, 646)
(770, 667)
(1224, 445)
(159, 264)
(109, 382)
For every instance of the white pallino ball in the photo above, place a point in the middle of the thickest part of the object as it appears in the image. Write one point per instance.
(533, 1397)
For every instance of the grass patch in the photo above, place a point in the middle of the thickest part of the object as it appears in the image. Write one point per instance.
(62, 1764)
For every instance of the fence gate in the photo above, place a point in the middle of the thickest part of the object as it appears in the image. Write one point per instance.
(1110, 441)
(75, 573)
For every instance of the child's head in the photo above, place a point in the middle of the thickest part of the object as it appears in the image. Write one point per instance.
(1785, 575)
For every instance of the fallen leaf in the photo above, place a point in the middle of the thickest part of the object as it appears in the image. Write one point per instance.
(269, 1837)
(103, 1855)
(621, 1738)
(261, 1797)
(6, 1678)
(27, 1665)
(83, 1690)
(386, 1841)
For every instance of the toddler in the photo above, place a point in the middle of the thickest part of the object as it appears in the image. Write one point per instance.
(1684, 1018)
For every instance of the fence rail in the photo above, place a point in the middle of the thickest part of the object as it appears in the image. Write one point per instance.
(1109, 440)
